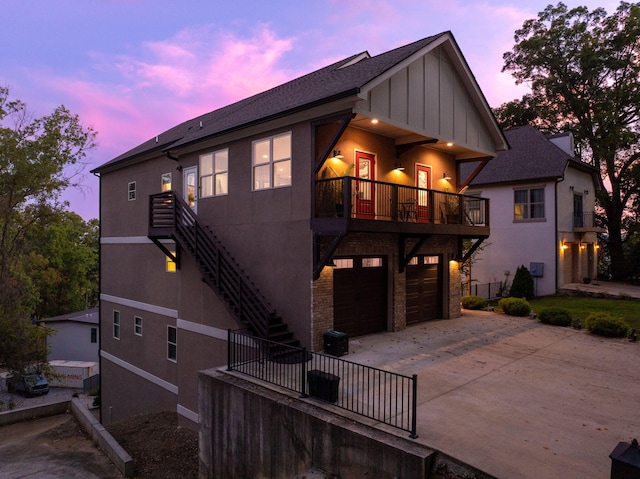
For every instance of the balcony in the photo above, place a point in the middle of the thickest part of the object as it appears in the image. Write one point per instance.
(349, 204)
(585, 223)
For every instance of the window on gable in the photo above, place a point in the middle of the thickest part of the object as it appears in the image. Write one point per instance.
(214, 173)
(528, 204)
(116, 324)
(172, 343)
(165, 182)
(132, 190)
(137, 325)
(272, 162)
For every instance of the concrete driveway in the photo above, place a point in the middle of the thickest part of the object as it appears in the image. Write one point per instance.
(51, 448)
(513, 397)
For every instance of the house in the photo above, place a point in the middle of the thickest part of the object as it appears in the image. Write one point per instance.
(76, 336)
(328, 202)
(542, 212)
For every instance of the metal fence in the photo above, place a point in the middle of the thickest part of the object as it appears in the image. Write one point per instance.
(384, 396)
(484, 290)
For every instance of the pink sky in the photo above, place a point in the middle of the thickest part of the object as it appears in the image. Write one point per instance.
(134, 68)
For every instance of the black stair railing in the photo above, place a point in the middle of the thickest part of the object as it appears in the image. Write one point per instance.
(171, 217)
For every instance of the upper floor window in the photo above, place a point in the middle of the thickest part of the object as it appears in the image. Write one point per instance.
(131, 188)
(165, 182)
(170, 264)
(528, 204)
(172, 343)
(272, 162)
(137, 325)
(116, 324)
(214, 173)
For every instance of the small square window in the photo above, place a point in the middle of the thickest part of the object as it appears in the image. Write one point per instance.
(172, 343)
(137, 325)
(132, 190)
(116, 324)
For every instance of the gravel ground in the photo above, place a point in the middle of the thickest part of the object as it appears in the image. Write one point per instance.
(16, 401)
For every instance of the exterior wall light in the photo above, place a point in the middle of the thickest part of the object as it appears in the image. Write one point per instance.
(446, 176)
(399, 167)
(338, 154)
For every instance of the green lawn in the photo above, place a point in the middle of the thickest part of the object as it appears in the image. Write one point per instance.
(581, 306)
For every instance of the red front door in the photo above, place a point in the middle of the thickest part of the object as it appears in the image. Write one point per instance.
(423, 181)
(365, 186)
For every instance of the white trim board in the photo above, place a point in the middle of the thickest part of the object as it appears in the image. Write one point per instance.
(172, 388)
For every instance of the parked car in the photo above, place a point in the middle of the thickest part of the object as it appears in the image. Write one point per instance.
(28, 384)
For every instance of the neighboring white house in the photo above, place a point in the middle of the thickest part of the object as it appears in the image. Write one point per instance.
(542, 202)
(76, 338)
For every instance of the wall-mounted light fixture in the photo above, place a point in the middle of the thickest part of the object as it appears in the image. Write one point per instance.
(399, 167)
(331, 263)
(449, 144)
(586, 192)
(446, 176)
(564, 246)
(338, 154)
(571, 188)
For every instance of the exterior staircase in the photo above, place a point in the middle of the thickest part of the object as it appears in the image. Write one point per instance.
(171, 218)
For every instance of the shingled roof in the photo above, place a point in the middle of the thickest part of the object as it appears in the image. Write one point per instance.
(338, 80)
(532, 157)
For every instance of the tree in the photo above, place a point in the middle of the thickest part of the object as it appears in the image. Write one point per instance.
(39, 158)
(584, 72)
(522, 286)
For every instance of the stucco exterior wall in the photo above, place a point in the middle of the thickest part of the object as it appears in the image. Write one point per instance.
(513, 243)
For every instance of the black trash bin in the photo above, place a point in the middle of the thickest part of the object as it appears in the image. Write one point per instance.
(625, 461)
(336, 343)
(323, 385)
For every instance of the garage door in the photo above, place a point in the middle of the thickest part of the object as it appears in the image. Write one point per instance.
(360, 295)
(423, 289)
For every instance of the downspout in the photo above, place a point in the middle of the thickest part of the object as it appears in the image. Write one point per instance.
(97, 175)
(555, 221)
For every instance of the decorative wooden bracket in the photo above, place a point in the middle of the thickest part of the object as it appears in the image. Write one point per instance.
(404, 260)
(321, 260)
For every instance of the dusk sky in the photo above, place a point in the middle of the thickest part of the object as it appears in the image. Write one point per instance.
(134, 68)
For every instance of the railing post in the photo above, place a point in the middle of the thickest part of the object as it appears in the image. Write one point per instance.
(229, 346)
(346, 196)
(303, 374)
(414, 407)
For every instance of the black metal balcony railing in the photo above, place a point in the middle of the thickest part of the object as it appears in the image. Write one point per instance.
(384, 396)
(351, 197)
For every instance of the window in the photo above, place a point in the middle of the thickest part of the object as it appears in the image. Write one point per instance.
(132, 190)
(371, 262)
(528, 204)
(137, 325)
(170, 265)
(172, 343)
(214, 173)
(343, 263)
(165, 182)
(116, 324)
(94, 335)
(272, 162)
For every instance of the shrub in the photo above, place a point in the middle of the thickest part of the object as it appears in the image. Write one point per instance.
(474, 302)
(605, 324)
(515, 306)
(522, 286)
(555, 316)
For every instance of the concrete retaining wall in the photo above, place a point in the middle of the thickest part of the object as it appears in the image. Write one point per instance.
(122, 460)
(250, 431)
(27, 413)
